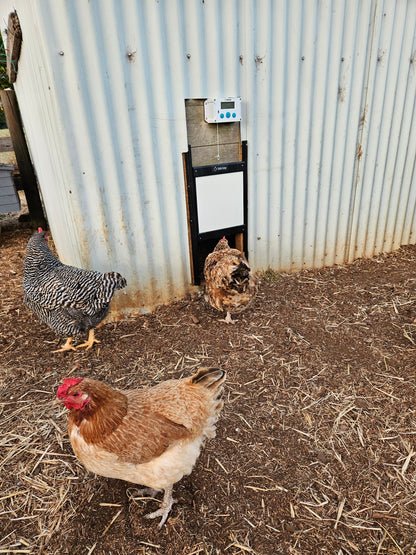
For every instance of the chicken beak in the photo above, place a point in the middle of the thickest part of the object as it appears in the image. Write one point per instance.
(56, 402)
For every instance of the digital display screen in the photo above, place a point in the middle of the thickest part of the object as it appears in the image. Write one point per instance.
(227, 105)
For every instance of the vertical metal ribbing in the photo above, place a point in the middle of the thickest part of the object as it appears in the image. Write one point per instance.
(329, 96)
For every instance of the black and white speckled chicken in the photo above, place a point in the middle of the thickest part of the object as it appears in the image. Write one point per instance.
(69, 300)
(229, 284)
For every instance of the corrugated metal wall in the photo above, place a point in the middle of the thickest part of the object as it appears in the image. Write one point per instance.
(333, 98)
(328, 91)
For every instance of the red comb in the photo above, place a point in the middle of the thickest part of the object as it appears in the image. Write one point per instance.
(40, 230)
(223, 239)
(66, 384)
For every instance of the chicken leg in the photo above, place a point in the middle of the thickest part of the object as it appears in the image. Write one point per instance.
(90, 341)
(228, 319)
(165, 508)
(67, 347)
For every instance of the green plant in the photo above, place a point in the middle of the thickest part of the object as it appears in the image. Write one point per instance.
(4, 79)
(271, 275)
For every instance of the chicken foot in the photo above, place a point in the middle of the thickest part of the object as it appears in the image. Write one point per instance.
(228, 319)
(90, 341)
(67, 347)
(165, 508)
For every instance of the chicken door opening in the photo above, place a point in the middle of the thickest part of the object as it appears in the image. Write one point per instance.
(220, 203)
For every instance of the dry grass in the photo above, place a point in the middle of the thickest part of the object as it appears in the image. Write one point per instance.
(315, 451)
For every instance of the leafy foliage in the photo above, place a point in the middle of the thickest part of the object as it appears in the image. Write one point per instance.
(4, 80)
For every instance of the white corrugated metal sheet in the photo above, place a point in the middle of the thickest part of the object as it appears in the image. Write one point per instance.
(328, 91)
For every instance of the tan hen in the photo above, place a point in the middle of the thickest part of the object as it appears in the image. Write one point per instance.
(151, 436)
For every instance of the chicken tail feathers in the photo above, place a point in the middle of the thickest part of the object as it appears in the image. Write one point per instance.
(211, 378)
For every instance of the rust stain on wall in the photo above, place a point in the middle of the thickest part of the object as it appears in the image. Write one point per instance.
(134, 303)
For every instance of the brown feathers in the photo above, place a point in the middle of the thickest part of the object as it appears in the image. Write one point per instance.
(140, 424)
(150, 436)
(103, 413)
(229, 283)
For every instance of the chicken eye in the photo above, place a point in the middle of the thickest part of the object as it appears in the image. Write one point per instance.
(75, 394)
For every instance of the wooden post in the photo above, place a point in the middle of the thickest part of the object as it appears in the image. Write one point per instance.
(30, 185)
(239, 242)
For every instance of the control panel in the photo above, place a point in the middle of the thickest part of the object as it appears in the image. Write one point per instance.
(222, 110)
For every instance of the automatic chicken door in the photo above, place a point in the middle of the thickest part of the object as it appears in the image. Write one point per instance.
(217, 201)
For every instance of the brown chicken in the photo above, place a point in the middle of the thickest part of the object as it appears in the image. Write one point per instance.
(229, 284)
(151, 436)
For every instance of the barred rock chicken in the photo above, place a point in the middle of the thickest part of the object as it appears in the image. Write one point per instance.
(229, 284)
(69, 300)
(151, 436)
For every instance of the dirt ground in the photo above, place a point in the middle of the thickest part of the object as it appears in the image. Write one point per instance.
(315, 449)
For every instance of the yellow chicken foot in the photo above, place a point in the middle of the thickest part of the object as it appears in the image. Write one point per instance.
(165, 508)
(228, 319)
(90, 342)
(67, 347)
